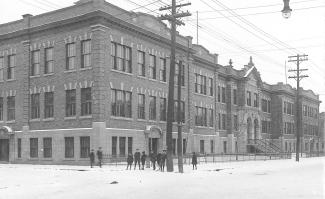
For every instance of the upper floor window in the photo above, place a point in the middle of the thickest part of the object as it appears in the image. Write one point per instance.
(141, 64)
(210, 86)
(152, 108)
(141, 106)
(2, 66)
(179, 66)
(234, 96)
(256, 104)
(49, 61)
(162, 71)
(121, 103)
(200, 116)
(223, 97)
(70, 103)
(48, 104)
(182, 113)
(163, 109)
(35, 106)
(11, 108)
(236, 122)
(200, 84)
(70, 56)
(249, 98)
(11, 66)
(152, 66)
(35, 70)
(121, 57)
(1, 108)
(219, 94)
(86, 54)
(86, 101)
(211, 117)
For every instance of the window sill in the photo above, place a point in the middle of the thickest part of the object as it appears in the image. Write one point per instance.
(86, 117)
(141, 120)
(33, 159)
(154, 80)
(2, 81)
(11, 121)
(203, 95)
(35, 120)
(204, 127)
(34, 76)
(48, 119)
(11, 80)
(69, 159)
(122, 72)
(163, 122)
(141, 77)
(48, 74)
(87, 68)
(47, 159)
(152, 120)
(70, 71)
(2, 121)
(70, 118)
(121, 118)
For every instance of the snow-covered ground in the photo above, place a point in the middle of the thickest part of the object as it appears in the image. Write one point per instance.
(275, 179)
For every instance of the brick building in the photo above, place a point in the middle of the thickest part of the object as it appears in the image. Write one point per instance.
(94, 75)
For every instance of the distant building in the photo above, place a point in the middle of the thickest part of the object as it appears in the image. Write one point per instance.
(94, 75)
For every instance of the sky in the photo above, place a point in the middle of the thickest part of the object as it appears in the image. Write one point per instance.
(234, 30)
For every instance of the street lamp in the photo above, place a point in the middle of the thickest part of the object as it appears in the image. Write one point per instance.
(286, 11)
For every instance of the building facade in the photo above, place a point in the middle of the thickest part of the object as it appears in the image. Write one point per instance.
(93, 75)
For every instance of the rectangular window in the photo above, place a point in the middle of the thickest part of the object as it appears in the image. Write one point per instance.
(35, 70)
(152, 108)
(224, 121)
(33, 143)
(122, 146)
(84, 146)
(141, 106)
(219, 94)
(223, 99)
(200, 116)
(152, 66)
(121, 103)
(35, 106)
(211, 117)
(86, 101)
(234, 96)
(202, 146)
(200, 84)
(249, 98)
(162, 71)
(69, 147)
(141, 64)
(48, 105)
(11, 108)
(210, 86)
(86, 54)
(163, 109)
(219, 121)
(284, 107)
(47, 147)
(11, 67)
(236, 122)
(70, 56)
(130, 145)
(49, 61)
(256, 100)
(175, 119)
(268, 106)
(1, 108)
(114, 146)
(177, 68)
(211, 146)
(70, 103)
(2, 66)
(19, 147)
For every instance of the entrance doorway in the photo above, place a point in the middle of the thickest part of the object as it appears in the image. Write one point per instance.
(153, 145)
(4, 150)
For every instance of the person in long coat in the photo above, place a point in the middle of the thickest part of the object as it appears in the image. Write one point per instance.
(92, 158)
(153, 159)
(100, 156)
(143, 159)
(159, 160)
(137, 159)
(194, 160)
(129, 161)
(163, 160)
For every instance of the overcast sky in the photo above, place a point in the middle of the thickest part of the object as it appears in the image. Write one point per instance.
(234, 30)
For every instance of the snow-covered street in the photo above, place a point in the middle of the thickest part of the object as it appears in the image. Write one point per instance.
(273, 179)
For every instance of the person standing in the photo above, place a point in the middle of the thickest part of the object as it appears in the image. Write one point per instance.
(92, 158)
(129, 161)
(194, 161)
(153, 159)
(100, 156)
(159, 160)
(143, 159)
(137, 159)
(163, 160)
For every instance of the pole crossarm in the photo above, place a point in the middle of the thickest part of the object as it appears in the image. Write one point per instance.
(177, 6)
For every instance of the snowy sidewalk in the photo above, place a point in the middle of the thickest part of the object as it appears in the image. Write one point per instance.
(274, 179)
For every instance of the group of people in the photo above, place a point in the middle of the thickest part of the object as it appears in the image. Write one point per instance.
(138, 158)
(99, 154)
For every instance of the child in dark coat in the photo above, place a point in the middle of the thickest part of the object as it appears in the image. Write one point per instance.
(129, 161)
(194, 160)
(137, 159)
(143, 159)
(92, 158)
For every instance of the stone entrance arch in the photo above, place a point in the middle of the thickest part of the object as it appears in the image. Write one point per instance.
(5, 136)
(154, 138)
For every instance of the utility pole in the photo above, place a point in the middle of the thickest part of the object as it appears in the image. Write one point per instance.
(173, 18)
(179, 119)
(298, 58)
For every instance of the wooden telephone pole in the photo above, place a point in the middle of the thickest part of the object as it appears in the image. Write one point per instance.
(298, 58)
(173, 18)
